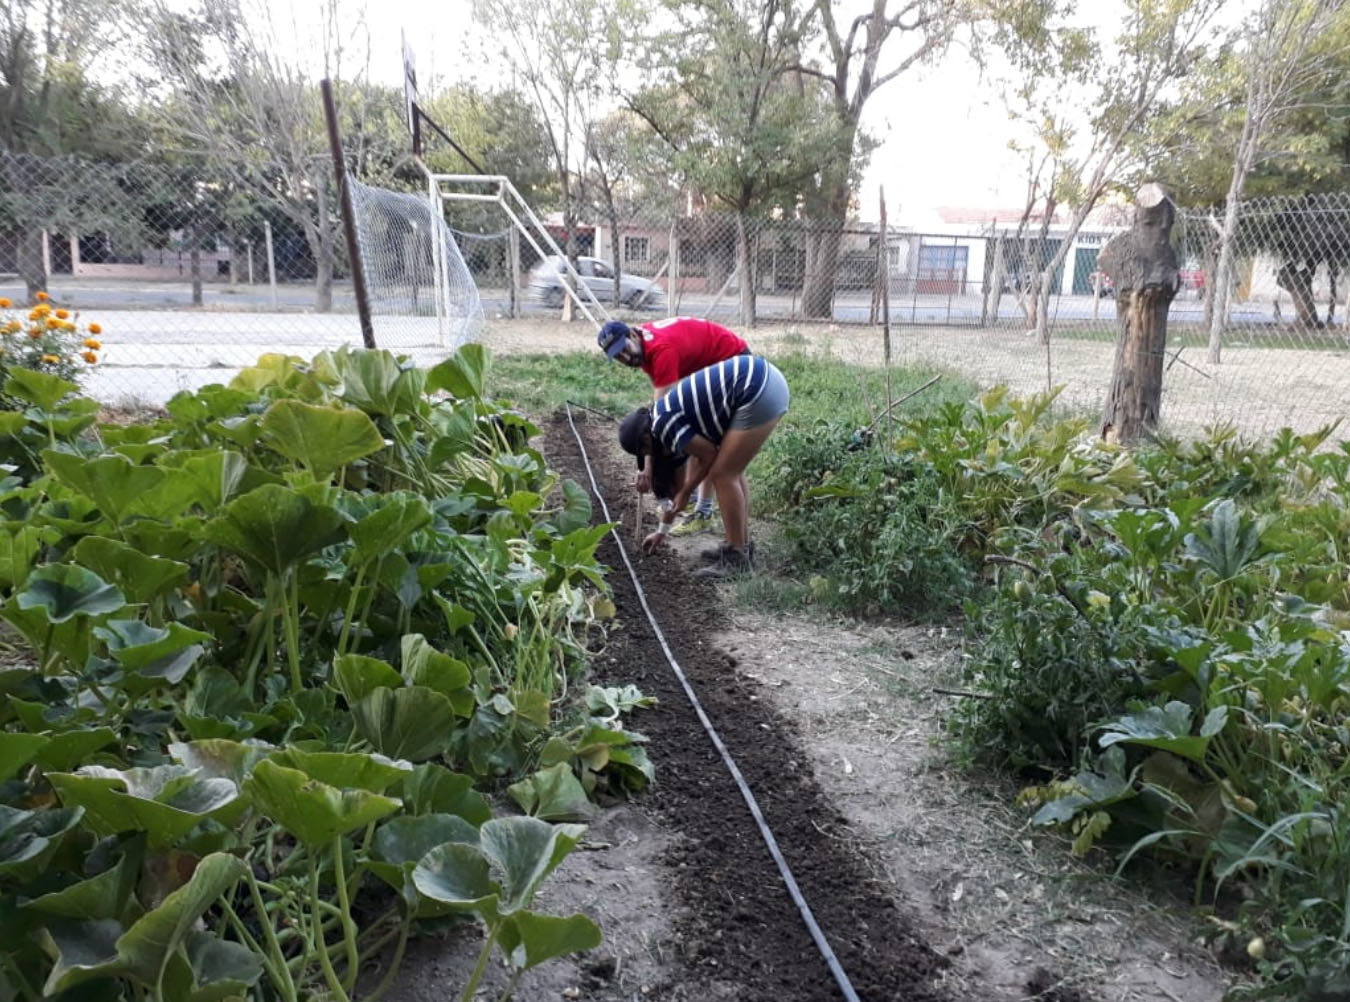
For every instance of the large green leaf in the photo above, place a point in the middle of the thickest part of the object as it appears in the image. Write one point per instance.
(140, 576)
(154, 654)
(39, 388)
(401, 842)
(102, 896)
(461, 374)
(66, 749)
(424, 665)
(524, 852)
(1167, 728)
(19, 546)
(83, 950)
(553, 794)
(529, 940)
(26, 837)
(413, 723)
(375, 381)
(17, 750)
(64, 591)
(1228, 544)
(313, 812)
(148, 944)
(116, 484)
(214, 479)
(347, 770)
(165, 801)
(321, 439)
(434, 789)
(356, 676)
(275, 527)
(221, 758)
(456, 874)
(388, 527)
(211, 969)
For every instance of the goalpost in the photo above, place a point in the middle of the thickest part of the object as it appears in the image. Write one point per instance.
(482, 187)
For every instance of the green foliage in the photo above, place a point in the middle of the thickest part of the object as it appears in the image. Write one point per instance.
(870, 529)
(200, 758)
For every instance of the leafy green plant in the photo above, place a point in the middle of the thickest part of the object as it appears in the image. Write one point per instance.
(209, 759)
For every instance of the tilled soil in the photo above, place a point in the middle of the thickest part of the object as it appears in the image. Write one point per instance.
(741, 935)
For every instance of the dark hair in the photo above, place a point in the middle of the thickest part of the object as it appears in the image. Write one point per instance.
(632, 432)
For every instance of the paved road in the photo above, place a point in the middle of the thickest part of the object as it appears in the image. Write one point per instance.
(850, 307)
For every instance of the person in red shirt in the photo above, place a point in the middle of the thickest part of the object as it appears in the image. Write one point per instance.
(668, 351)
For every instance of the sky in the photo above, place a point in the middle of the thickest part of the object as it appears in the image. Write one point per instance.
(943, 129)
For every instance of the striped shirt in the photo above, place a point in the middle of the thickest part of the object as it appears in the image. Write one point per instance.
(704, 403)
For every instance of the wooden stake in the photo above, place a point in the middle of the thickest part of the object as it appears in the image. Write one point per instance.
(886, 312)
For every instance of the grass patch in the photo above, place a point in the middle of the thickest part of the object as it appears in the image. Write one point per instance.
(823, 388)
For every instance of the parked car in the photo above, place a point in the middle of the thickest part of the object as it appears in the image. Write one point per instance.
(1101, 281)
(546, 283)
(1189, 280)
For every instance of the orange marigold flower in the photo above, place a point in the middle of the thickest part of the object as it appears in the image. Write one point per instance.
(53, 324)
(36, 333)
(51, 359)
(92, 342)
(41, 297)
(5, 303)
(95, 329)
(13, 327)
(63, 314)
(67, 325)
(89, 357)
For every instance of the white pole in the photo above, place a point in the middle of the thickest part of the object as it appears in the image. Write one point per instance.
(271, 263)
(436, 211)
(249, 245)
(46, 257)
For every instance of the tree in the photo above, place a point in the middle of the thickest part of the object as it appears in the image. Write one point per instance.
(50, 109)
(558, 50)
(1288, 48)
(1159, 42)
(726, 96)
(243, 101)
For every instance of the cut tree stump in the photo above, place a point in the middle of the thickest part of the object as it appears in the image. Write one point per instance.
(1143, 266)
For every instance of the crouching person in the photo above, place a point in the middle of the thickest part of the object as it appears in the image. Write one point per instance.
(712, 424)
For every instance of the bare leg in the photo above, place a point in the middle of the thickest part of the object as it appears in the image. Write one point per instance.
(728, 478)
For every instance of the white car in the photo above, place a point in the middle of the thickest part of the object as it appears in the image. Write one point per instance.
(546, 284)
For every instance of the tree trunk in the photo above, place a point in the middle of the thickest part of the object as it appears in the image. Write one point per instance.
(31, 263)
(1209, 256)
(993, 295)
(1143, 267)
(195, 263)
(745, 272)
(321, 244)
(1297, 280)
(826, 230)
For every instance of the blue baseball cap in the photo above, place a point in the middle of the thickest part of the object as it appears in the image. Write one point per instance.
(612, 338)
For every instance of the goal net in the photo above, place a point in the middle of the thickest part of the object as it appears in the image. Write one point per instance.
(419, 288)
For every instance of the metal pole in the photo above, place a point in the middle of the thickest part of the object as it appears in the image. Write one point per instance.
(348, 215)
(271, 263)
(249, 245)
(436, 223)
(886, 312)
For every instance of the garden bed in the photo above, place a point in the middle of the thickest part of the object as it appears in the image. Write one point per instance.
(926, 886)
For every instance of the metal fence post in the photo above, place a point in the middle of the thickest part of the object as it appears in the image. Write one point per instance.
(271, 263)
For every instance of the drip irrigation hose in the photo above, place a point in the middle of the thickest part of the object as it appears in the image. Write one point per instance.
(794, 892)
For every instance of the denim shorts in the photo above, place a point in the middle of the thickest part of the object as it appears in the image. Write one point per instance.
(771, 404)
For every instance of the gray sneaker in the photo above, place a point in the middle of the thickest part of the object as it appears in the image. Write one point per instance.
(731, 563)
(712, 553)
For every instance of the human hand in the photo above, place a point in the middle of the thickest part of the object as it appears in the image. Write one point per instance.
(643, 483)
(653, 541)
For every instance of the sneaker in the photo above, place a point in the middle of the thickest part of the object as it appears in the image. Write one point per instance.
(711, 553)
(696, 522)
(733, 562)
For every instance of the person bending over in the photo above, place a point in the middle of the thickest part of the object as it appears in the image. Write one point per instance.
(667, 351)
(714, 422)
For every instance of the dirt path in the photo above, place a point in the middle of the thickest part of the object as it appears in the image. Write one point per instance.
(927, 888)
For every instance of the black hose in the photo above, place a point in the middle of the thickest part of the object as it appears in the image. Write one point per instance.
(822, 944)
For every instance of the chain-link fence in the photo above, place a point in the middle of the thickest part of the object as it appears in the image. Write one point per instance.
(193, 273)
